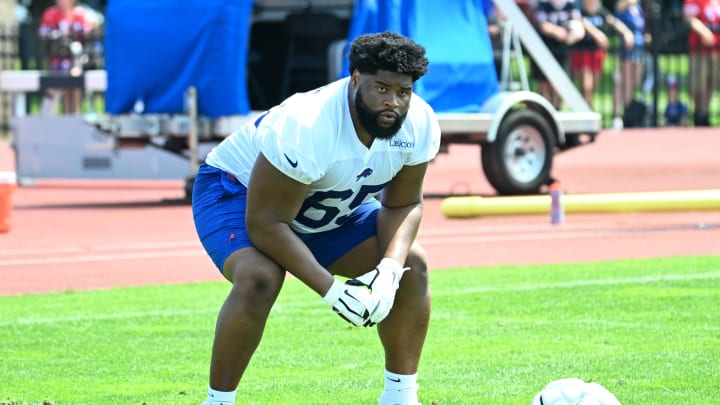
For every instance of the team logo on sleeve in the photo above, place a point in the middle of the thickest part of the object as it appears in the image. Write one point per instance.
(364, 174)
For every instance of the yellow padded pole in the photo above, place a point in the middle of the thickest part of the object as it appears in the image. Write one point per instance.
(688, 200)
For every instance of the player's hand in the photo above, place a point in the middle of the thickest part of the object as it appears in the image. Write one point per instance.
(354, 303)
(383, 282)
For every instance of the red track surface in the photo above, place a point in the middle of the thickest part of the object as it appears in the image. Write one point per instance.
(74, 235)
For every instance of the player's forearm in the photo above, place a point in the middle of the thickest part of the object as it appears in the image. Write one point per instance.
(278, 242)
(398, 228)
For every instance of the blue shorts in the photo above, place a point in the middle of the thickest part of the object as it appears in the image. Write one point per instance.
(636, 54)
(218, 206)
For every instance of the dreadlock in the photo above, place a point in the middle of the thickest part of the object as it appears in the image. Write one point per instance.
(388, 51)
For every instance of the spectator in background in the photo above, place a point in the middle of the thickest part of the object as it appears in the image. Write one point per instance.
(676, 111)
(94, 47)
(703, 16)
(24, 33)
(632, 64)
(559, 23)
(65, 27)
(589, 54)
(496, 22)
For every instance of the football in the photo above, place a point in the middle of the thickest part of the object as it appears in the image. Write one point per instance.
(574, 391)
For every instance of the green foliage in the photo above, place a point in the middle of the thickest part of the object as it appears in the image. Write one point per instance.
(645, 329)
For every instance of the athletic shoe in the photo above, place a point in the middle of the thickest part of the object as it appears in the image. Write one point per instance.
(400, 397)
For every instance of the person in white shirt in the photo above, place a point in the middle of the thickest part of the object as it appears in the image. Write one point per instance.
(328, 183)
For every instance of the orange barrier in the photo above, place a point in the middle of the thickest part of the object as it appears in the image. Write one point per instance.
(8, 183)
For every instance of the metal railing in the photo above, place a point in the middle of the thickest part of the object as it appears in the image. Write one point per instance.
(665, 77)
(666, 70)
(8, 58)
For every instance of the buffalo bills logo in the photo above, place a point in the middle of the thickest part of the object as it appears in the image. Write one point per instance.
(364, 174)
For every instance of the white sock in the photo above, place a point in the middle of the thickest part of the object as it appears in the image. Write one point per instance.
(221, 397)
(400, 389)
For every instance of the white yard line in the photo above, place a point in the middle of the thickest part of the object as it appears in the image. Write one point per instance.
(584, 283)
(102, 257)
(189, 248)
(99, 248)
(101, 317)
(519, 288)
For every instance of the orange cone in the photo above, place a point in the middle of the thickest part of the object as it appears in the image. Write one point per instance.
(8, 183)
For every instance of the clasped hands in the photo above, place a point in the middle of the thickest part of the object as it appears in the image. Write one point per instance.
(366, 300)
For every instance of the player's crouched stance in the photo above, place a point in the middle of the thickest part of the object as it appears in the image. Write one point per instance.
(327, 183)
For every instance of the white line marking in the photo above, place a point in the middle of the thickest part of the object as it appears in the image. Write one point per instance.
(585, 283)
(101, 248)
(512, 238)
(439, 237)
(159, 250)
(101, 317)
(495, 228)
(128, 315)
(101, 258)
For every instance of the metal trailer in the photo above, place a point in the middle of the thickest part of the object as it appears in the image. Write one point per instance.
(518, 131)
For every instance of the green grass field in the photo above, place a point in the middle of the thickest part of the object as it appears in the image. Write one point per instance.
(648, 330)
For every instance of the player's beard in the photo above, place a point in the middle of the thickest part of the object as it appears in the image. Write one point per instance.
(369, 119)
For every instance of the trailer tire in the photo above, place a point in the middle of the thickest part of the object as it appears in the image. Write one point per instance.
(519, 161)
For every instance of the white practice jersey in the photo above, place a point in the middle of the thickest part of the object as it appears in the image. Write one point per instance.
(310, 138)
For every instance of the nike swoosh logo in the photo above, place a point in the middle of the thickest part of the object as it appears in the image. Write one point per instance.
(293, 164)
(393, 379)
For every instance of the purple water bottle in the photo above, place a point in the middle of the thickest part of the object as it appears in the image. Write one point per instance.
(557, 211)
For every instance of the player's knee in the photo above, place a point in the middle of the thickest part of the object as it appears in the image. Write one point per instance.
(418, 263)
(257, 284)
(417, 257)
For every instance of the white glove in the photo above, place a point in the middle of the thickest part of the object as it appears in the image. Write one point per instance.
(383, 282)
(354, 303)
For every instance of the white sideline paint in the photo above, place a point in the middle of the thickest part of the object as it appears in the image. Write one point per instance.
(159, 250)
(101, 257)
(510, 238)
(102, 317)
(179, 244)
(581, 283)
(585, 283)
(100, 248)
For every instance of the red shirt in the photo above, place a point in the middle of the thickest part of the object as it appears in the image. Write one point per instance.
(708, 12)
(76, 23)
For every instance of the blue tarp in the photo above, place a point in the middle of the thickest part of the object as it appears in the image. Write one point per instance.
(461, 74)
(156, 49)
